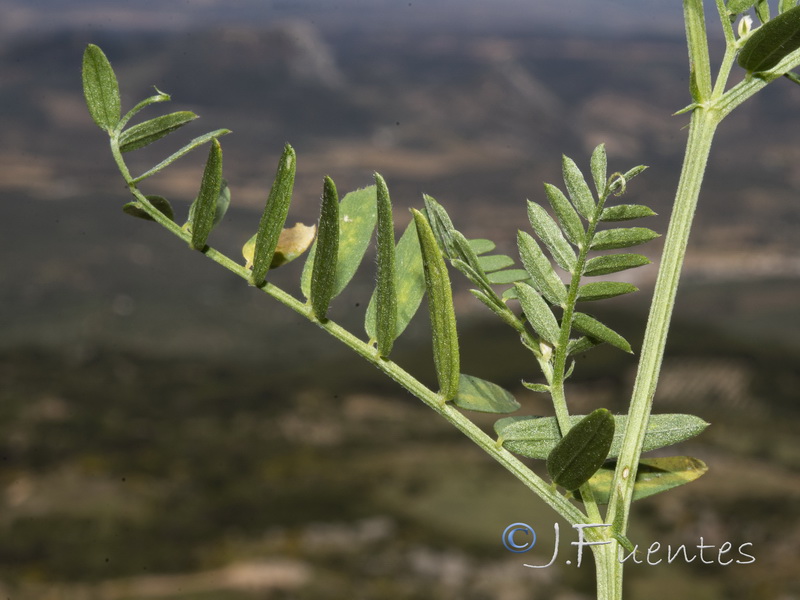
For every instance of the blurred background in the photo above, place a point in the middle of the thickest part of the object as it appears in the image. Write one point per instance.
(168, 432)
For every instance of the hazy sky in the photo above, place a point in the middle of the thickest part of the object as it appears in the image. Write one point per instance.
(601, 16)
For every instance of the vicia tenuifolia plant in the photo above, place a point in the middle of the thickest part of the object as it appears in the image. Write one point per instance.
(593, 462)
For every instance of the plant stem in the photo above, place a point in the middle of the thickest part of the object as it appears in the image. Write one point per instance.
(551, 497)
(701, 133)
(608, 571)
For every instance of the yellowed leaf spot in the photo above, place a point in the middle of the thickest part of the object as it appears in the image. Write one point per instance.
(292, 242)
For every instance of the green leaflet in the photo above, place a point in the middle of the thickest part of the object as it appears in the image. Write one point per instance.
(409, 283)
(535, 437)
(582, 451)
(100, 88)
(160, 203)
(204, 208)
(622, 237)
(599, 167)
(195, 143)
(274, 216)
(551, 235)
(595, 329)
(463, 251)
(604, 289)
(148, 132)
(325, 265)
(538, 313)
(442, 314)
(482, 246)
(483, 396)
(358, 214)
(581, 345)
(771, 42)
(578, 190)
(507, 276)
(626, 212)
(545, 280)
(736, 7)
(613, 263)
(292, 243)
(539, 388)
(762, 10)
(569, 219)
(654, 475)
(500, 309)
(477, 277)
(441, 225)
(221, 207)
(495, 262)
(386, 298)
(785, 5)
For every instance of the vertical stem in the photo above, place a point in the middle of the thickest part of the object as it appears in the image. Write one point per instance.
(608, 571)
(701, 132)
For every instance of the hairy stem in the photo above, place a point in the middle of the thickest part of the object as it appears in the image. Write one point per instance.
(535, 483)
(701, 133)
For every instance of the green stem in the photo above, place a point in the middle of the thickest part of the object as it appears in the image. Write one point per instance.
(608, 570)
(560, 360)
(701, 133)
(535, 483)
